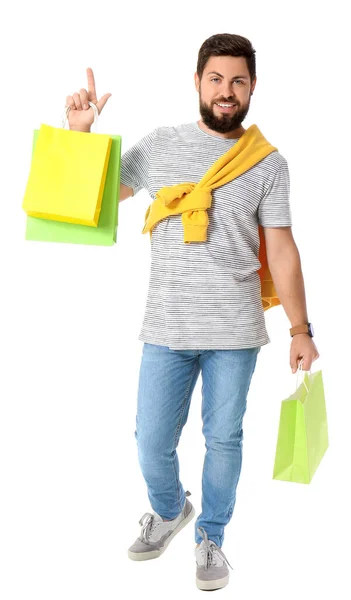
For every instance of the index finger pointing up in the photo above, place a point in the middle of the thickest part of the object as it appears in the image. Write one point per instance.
(91, 85)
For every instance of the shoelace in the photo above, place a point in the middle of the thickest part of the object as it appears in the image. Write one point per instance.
(148, 524)
(210, 547)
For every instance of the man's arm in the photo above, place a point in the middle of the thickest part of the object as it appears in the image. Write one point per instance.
(285, 266)
(125, 192)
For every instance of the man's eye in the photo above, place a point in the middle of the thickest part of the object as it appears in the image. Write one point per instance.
(217, 79)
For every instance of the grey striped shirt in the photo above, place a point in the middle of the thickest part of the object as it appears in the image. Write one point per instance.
(206, 295)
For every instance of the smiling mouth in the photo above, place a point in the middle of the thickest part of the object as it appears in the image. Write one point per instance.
(225, 107)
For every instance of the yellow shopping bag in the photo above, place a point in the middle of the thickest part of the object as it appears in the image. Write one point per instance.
(67, 176)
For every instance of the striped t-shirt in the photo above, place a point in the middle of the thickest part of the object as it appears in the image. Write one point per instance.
(206, 295)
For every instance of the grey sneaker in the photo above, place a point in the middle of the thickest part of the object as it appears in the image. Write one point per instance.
(211, 570)
(156, 534)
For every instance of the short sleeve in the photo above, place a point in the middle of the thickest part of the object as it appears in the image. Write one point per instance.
(274, 208)
(135, 163)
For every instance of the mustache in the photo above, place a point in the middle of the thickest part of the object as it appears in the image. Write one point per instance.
(226, 101)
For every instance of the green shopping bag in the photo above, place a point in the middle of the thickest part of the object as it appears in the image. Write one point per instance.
(105, 234)
(303, 431)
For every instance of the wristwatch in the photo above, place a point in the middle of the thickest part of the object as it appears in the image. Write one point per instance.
(305, 328)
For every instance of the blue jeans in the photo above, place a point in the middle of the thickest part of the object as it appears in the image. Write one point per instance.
(166, 382)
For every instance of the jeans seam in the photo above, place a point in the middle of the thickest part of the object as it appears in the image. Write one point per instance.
(178, 427)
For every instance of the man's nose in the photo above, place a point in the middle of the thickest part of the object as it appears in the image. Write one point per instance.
(227, 91)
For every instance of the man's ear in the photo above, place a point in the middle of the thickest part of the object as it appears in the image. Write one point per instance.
(253, 85)
(197, 81)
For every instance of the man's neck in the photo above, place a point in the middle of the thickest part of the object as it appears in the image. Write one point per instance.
(231, 135)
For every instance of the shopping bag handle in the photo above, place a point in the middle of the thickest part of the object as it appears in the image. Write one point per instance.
(64, 117)
(299, 370)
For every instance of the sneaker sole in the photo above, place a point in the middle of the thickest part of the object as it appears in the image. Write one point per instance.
(215, 584)
(157, 553)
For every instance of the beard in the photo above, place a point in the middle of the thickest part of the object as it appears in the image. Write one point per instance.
(225, 122)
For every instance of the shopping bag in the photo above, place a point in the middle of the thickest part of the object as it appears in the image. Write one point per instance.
(303, 431)
(105, 234)
(67, 176)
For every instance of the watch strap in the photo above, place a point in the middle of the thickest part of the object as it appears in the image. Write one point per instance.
(299, 329)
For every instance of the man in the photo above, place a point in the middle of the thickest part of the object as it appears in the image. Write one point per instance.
(204, 310)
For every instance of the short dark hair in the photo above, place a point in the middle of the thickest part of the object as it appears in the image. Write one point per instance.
(227, 44)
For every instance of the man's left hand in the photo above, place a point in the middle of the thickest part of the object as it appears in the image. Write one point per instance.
(302, 348)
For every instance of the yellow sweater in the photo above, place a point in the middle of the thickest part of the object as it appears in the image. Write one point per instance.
(192, 200)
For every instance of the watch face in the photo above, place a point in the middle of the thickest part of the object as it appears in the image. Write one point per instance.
(311, 330)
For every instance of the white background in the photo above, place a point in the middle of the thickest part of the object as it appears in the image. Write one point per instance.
(71, 488)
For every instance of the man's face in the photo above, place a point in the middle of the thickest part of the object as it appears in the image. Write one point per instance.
(225, 80)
